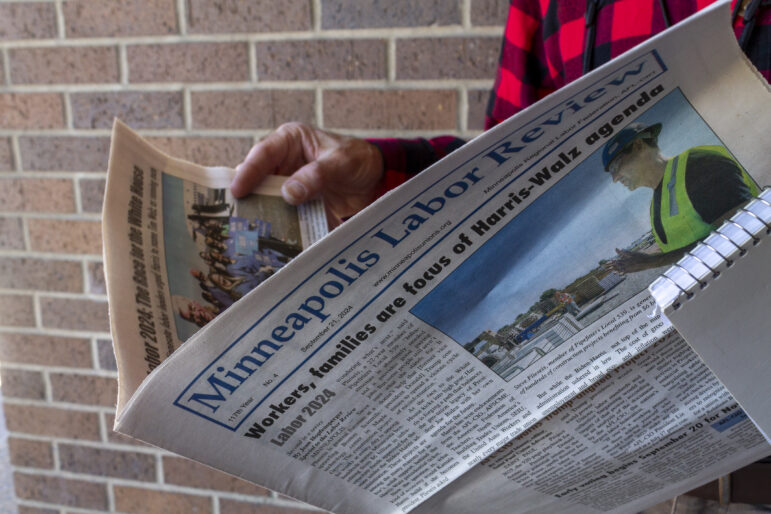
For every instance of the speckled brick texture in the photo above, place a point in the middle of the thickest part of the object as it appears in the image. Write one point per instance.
(83, 389)
(144, 110)
(359, 59)
(65, 236)
(63, 491)
(31, 110)
(6, 151)
(251, 109)
(489, 12)
(448, 57)
(91, 194)
(21, 383)
(189, 473)
(236, 16)
(86, 18)
(44, 350)
(188, 62)
(11, 234)
(134, 499)
(52, 421)
(208, 151)
(74, 314)
(18, 310)
(29, 453)
(41, 274)
(36, 195)
(64, 153)
(88, 460)
(22, 20)
(358, 14)
(203, 80)
(406, 109)
(64, 65)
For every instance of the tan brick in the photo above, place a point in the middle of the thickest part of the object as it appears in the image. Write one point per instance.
(11, 234)
(142, 110)
(251, 109)
(40, 274)
(86, 18)
(30, 454)
(61, 491)
(27, 20)
(85, 389)
(134, 499)
(91, 194)
(36, 195)
(185, 472)
(477, 105)
(357, 14)
(96, 284)
(21, 383)
(447, 58)
(489, 12)
(72, 314)
(31, 110)
(45, 350)
(18, 310)
(239, 507)
(190, 62)
(26, 509)
(233, 16)
(207, 151)
(115, 437)
(48, 195)
(64, 65)
(106, 355)
(65, 236)
(51, 421)
(64, 153)
(356, 59)
(396, 109)
(109, 463)
(6, 153)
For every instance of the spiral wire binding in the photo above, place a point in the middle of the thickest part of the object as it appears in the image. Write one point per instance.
(766, 223)
(667, 296)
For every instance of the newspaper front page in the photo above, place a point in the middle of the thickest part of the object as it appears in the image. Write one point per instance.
(478, 338)
(180, 249)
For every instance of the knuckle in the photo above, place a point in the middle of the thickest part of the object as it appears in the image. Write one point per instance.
(291, 126)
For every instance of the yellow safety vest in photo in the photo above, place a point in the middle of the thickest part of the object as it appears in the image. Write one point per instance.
(681, 223)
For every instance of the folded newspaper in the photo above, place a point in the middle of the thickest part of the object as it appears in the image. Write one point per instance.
(479, 340)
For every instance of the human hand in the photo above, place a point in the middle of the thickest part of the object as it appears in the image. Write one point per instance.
(630, 262)
(345, 171)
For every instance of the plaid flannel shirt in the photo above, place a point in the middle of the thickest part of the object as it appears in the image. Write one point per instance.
(544, 49)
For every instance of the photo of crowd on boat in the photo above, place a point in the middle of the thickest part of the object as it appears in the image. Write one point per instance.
(218, 248)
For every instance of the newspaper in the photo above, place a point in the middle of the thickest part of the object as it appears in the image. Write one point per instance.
(477, 339)
(181, 250)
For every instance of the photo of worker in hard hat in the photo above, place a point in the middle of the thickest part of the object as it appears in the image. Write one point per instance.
(693, 192)
(648, 188)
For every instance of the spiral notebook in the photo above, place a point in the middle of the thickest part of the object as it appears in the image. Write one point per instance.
(719, 298)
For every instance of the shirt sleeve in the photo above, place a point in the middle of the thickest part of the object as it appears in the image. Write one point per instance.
(524, 74)
(715, 185)
(405, 158)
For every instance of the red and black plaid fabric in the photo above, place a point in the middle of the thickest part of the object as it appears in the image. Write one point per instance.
(543, 50)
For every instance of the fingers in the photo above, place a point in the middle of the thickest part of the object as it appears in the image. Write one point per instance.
(304, 184)
(264, 158)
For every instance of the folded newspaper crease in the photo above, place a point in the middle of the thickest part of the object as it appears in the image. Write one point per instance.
(466, 343)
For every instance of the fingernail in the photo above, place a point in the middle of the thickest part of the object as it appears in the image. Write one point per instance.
(295, 191)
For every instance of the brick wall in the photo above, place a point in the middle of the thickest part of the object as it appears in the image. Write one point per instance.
(204, 79)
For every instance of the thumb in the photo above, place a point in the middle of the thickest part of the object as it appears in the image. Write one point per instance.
(304, 184)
